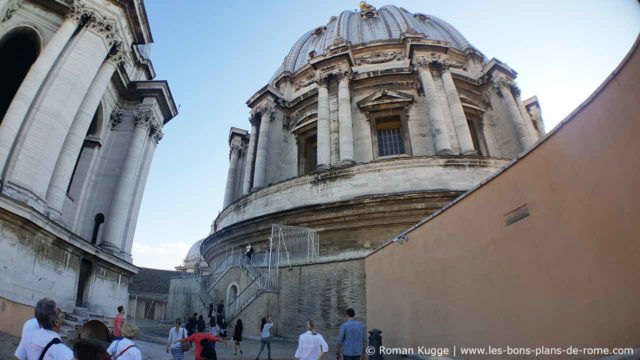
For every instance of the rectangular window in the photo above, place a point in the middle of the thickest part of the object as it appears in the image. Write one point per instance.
(390, 141)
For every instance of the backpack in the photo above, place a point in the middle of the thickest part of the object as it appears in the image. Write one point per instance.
(208, 351)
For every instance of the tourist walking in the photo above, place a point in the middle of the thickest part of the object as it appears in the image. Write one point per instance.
(352, 338)
(125, 348)
(192, 323)
(87, 350)
(177, 349)
(117, 323)
(237, 337)
(311, 345)
(201, 324)
(204, 345)
(214, 329)
(45, 341)
(222, 327)
(265, 336)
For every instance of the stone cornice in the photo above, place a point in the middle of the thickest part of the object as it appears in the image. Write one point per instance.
(268, 91)
(137, 20)
(136, 91)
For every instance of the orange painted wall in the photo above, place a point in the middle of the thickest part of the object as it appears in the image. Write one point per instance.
(13, 315)
(568, 274)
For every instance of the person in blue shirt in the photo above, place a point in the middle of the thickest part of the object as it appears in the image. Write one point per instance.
(352, 339)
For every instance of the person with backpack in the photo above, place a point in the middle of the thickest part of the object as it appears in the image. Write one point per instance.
(191, 324)
(45, 343)
(126, 349)
(201, 324)
(205, 349)
(177, 349)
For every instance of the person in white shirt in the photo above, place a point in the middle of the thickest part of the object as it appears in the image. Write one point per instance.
(126, 349)
(311, 345)
(265, 336)
(30, 326)
(176, 333)
(45, 340)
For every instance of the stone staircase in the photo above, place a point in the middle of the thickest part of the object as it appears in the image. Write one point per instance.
(75, 320)
(260, 284)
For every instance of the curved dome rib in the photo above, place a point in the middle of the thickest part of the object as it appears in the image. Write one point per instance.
(389, 24)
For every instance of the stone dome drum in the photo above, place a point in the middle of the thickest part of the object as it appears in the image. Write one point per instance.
(372, 122)
(369, 26)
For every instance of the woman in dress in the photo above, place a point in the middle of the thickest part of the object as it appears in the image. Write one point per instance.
(237, 337)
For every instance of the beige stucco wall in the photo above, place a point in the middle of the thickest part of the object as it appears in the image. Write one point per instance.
(565, 275)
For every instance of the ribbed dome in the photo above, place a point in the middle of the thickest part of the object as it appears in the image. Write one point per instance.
(194, 254)
(387, 23)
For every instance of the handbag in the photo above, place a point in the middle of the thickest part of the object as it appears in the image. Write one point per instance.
(185, 346)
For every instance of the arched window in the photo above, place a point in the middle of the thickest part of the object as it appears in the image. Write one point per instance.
(18, 51)
(97, 227)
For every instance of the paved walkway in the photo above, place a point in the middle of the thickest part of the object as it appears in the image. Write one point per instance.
(280, 350)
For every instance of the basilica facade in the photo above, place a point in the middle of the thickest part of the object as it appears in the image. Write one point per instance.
(373, 121)
(81, 116)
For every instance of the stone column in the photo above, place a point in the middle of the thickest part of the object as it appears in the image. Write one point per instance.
(155, 135)
(344, 119)
(260, 172)
(323, 132)
(231, 176)
(533, 134)
(248, 166)
(75, 138)
(504, 87)
(459, 119)
(436, 115)
(116, 219)
(29, 170)
(28, 90)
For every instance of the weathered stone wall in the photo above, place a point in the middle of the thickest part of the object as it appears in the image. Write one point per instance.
(379, 177)
(183, 299)
(37, 264)
(321, 291)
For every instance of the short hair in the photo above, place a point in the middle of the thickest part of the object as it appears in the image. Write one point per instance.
(130, 331)
(195, 314)
(46, 313)
(85, 349)
(120, 308)
(351, 312)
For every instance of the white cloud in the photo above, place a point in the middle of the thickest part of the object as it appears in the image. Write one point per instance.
(160, 255)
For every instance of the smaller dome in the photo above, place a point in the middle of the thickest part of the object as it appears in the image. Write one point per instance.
(194, 254)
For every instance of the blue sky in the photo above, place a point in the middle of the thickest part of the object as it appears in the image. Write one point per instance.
(216, 54)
